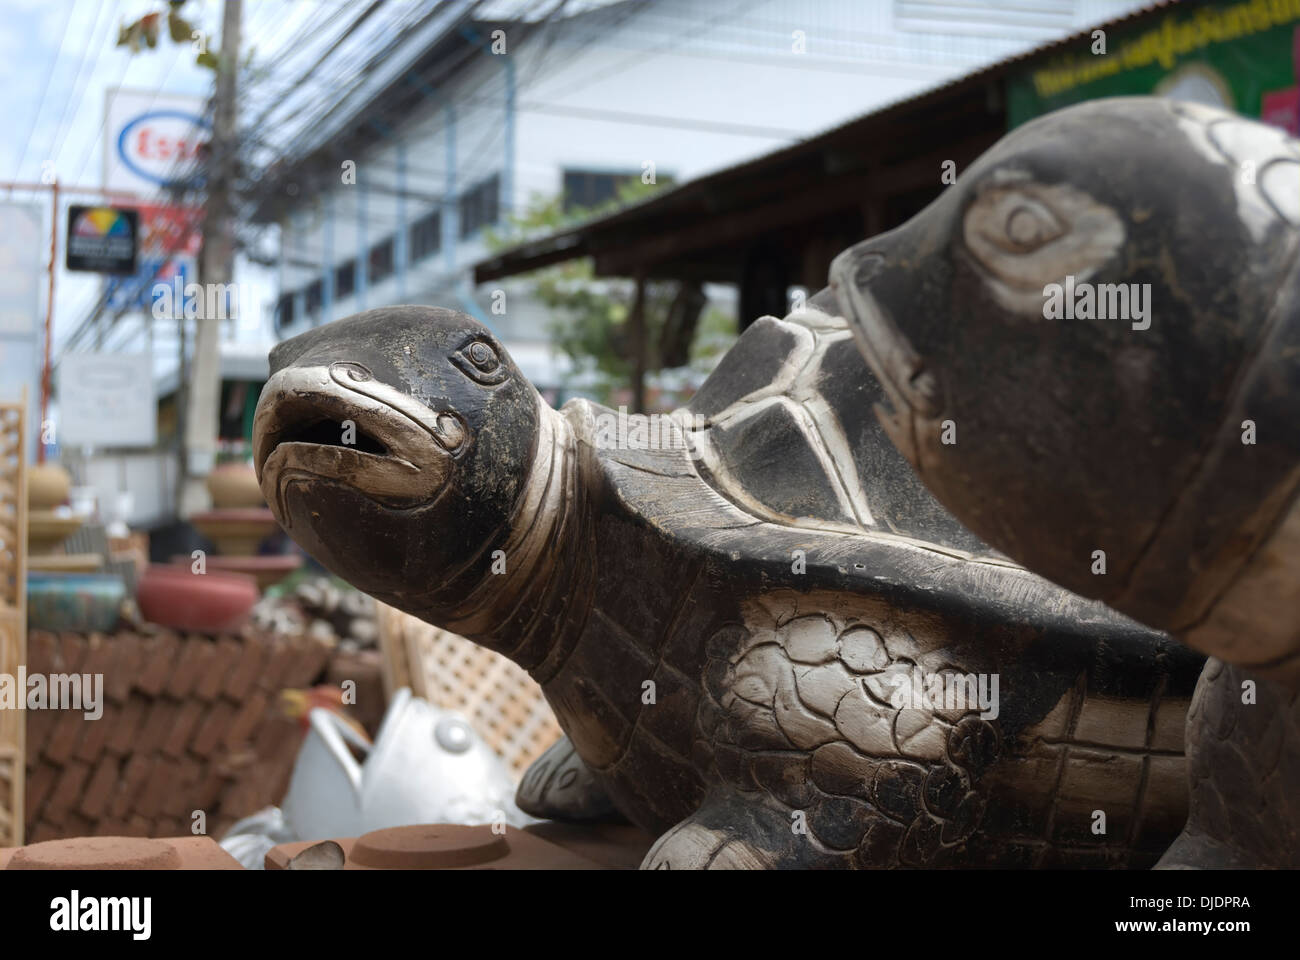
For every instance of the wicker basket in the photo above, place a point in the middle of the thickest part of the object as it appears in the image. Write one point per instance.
(498, 697)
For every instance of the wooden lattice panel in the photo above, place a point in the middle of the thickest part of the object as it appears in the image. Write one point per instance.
(13, 613)
(498, 697)
(13, 505)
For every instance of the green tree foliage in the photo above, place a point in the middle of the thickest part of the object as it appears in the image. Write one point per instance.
(589, 314)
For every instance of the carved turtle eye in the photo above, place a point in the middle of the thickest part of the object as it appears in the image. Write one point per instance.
(1025, 224)
(1022, 235)
(352, 371)
(480, 362)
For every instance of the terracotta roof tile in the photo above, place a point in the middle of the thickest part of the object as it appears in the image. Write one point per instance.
(67, 790)
(127, 720)
(195, 653)
(99, 656)
(95, 733)
(135, 775)
(40, 724)
(183, 727)
(212, 728)
(99, 791)
(157, 725)
(158, 659)
(157, 788)
(278, 664)
(244, 675)
(225, 654)
(246, 721)
(39, 784)
(189, 724)
(127, 661)
(65, 735)
(44, 830)
(41, 655)
(308, 665)
(71, 651)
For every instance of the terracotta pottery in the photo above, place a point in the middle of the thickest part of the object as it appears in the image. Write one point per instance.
(47, 486)
(119, 853)
(438, 846)
(236, 532)
(205, 603)
(46, 530)
(96, 853)
(233, 486)
(266, 570)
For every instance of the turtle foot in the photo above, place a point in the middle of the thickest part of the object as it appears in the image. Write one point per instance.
(731, 831)
(559, 786)
(1243, 762)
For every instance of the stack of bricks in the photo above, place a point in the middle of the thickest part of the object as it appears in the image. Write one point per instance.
(190, 723)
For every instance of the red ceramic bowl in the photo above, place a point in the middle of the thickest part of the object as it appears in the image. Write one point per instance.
(201, 602)
(266, 570)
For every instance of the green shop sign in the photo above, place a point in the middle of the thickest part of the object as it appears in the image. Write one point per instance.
(1243, 55)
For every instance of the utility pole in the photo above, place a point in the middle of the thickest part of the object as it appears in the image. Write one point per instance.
(216, 266)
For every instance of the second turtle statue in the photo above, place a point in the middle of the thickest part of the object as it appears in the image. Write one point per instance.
(764, 637)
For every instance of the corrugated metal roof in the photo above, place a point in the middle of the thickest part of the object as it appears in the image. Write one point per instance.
(570, 243)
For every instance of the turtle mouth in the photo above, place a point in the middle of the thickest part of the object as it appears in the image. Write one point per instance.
(909, 385)
(322, 426)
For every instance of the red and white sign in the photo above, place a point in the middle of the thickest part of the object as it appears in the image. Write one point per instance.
(150, 139)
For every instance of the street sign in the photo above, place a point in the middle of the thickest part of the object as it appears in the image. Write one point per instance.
(169, 247)
(106, 400)
(102, 239)
(151, 140)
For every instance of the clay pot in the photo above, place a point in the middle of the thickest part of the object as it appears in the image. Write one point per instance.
(47, 486)
(201, 602)
(233, 486)
(236, 532)
(267, 570)
(46, 530)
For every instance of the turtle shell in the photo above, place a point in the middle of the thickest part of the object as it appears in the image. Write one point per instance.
(786, 429)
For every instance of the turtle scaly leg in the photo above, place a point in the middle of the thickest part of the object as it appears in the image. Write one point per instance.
(559, 786)
(736, 831)
(1243, 753)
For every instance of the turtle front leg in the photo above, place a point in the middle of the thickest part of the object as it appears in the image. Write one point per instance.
(735, 831)
(559, 786)
(1243, 753)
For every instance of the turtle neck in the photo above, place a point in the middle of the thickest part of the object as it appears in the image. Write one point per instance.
(535, 576)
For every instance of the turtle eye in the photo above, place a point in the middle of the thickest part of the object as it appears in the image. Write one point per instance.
(1020, 224)
(480, 362)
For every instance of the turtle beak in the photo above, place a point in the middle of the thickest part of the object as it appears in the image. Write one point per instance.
(856, 276)
(336, 424)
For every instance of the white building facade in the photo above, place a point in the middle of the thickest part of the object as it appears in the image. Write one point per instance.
(521, 108)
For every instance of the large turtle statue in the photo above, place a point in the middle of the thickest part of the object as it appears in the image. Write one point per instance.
(1149, 456)
(763, 637)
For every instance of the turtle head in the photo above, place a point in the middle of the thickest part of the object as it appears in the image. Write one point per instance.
(394, 445)
(1060, 334)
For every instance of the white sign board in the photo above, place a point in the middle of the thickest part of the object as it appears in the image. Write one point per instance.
(150, 139)
(107, 400)
(24, 244)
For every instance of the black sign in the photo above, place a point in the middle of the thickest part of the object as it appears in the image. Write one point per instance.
(102, 239)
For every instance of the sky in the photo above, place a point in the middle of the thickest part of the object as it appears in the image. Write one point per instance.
(57, 59)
